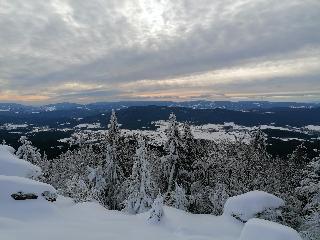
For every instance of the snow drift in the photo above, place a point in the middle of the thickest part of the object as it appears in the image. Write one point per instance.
(247, 205)
(10, 165)
(265, 230)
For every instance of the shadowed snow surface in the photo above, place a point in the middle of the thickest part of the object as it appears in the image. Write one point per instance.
(65, 220)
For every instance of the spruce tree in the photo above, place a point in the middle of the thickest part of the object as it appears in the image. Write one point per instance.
(28, 152)
(156, 212)
(309, 193)
(113, 129)
(112, 169)
(179, 198)
(140, 183)
(174, 150)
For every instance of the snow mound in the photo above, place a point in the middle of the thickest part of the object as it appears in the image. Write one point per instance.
(14, 184)
(24, 209)
(247, 205)
(11, 165)
(265, 230)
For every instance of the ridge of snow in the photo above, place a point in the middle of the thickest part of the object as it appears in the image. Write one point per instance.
(11, 165)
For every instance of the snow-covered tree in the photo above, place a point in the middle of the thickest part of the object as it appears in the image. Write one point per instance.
(296, 162)
(140, 183)
(174, 150)
(218, 198)
(78, 189)
(4, 142)
(179, 198)
(97, 183)
(113, 176)
(156, 212)
(45, 165)
(309, 193)
(28, 152)
(192, 151)
(113, 129)
(310, 228)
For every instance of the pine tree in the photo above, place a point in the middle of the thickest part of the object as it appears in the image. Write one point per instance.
(78, 189)
(46, 168)
(4, 142)
(113, 129)
(218, 197)
(296, 162)
(97, 183)
(309, 193)
(174, 149)
(140, 182)
(114, 178)
(180, 200)
(28, 152)
(191, 153)
(112, 170)
(156, 212)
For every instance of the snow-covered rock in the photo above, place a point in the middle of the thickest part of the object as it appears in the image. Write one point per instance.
(14, 184)
(27, 209)
(258, 229)
(248, 205)
(11, 165)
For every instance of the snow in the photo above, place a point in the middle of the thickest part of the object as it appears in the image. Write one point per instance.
(35, 219)
(11, 165)
(9, 126)
(88, 125)
(13, 184)
(313, 128)
(23, 209)
(50, 109)
(264, 230)
(247, 205)
(91, 221)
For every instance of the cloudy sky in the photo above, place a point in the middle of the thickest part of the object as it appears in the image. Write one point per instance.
(110, 50)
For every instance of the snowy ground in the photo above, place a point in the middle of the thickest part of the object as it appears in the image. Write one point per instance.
(38, 219)
(34, 219)
(90, 221)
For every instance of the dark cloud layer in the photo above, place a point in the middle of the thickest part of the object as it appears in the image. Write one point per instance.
(122, 49)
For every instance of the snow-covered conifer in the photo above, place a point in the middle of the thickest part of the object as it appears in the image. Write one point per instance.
(174, 149)
(114, 177)
(78, 189)
(309, 193)
(156, 212)
(113, 129)
(46, 168)
(28, 152)
(97, 182)
(180, 200)
(296, 162)
(140, 183)
(218, 198)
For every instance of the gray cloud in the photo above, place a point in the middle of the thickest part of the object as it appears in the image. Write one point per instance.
(106, 45)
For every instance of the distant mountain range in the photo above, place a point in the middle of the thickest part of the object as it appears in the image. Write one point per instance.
(138, 117)
(229, 105)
